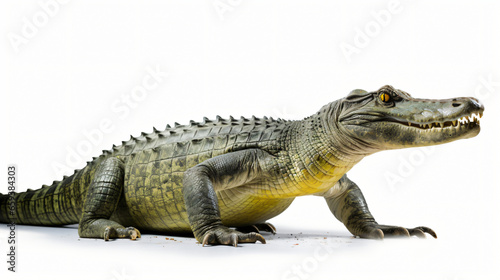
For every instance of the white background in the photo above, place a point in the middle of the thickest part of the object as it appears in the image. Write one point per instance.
(274, 58)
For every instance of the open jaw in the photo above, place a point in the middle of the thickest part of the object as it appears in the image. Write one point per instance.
(463, 122)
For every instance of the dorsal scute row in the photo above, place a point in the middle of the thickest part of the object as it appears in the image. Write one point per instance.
(178, 131)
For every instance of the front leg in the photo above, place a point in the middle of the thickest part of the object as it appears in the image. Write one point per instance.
(349, 207)
(199, 190)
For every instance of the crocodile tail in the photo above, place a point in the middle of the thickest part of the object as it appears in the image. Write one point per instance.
(57, 204)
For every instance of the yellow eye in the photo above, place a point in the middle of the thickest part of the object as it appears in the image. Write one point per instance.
(385, 97)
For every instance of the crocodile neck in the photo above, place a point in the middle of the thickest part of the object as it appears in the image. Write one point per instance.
(319, 153)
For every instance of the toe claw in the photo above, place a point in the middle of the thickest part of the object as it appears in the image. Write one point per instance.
(260, 238)
(133, 234)
(256, 229)
(428, 230)
(271, 228)
(234, 239)
(107, 233)
(205, 239)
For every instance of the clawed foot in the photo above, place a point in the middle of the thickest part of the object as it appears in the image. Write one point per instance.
(227, 236)
(267, 227)
(130, 232)
(381, 231)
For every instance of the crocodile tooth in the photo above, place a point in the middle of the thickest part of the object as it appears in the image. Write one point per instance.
(409, 123)
(480, 115)
(442, 125)
(454, 123)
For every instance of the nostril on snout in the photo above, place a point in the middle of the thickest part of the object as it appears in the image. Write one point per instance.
(456, 104)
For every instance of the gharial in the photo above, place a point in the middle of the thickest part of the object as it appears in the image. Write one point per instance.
(222, 179)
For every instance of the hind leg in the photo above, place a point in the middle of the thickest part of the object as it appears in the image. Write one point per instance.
(102, 197)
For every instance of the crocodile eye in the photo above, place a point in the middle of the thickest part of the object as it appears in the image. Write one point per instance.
(385, 97)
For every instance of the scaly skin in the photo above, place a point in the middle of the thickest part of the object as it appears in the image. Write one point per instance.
(207, 178)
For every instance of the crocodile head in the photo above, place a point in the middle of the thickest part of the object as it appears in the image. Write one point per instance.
(390, 119)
